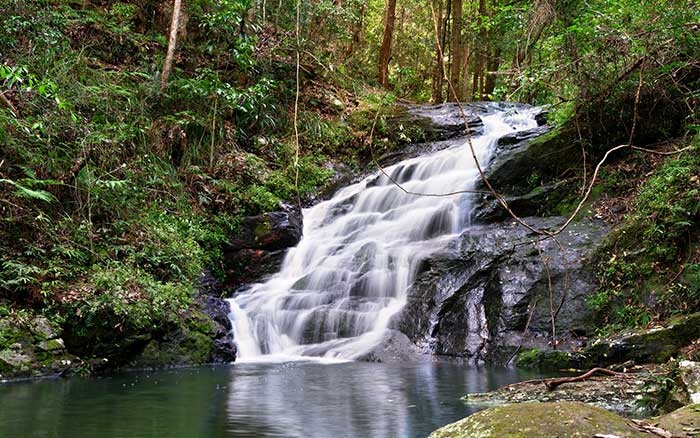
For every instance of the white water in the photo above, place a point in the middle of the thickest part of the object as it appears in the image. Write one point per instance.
(338, 290)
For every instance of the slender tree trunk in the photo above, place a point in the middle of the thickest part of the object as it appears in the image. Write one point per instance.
(446, 51)
(492, 66)
(172, 43)
(457, 52)
(479, 61)
(385, 50)
(438, 72)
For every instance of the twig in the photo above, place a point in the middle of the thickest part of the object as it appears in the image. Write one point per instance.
(527, 327)
(7, 102)
(296, 104)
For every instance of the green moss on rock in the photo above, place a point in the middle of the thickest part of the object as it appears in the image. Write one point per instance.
(684, 422)
(544, 360)
(539, 420)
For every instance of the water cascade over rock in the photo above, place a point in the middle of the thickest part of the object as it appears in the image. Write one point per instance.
(341, 289)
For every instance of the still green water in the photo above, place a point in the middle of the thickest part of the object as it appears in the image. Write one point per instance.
(296, 399)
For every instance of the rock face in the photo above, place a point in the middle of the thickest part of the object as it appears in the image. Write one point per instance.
(32, 347)
(534, 155)
(259, 247)
(540, 420)
(204, 335)
(488, 294)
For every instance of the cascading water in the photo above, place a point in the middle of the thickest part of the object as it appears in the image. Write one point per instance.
(338, 290)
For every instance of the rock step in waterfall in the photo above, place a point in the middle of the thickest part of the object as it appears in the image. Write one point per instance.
(339, 290)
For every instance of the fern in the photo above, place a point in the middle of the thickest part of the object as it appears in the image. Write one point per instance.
(25, 192)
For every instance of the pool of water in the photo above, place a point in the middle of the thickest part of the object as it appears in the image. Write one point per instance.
(293, 399)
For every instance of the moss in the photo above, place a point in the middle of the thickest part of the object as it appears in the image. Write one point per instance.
(684, 422)
(539, 420)
(544, 360)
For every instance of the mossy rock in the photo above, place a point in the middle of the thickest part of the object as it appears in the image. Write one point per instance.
(545, 420)
(684, 422)
(544, 360)
(30, 347)
(655, 345)
(191, 343)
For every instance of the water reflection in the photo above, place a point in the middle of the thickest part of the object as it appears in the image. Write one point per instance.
(249, 400)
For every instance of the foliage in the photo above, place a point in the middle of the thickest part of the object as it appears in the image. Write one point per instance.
(639, 276)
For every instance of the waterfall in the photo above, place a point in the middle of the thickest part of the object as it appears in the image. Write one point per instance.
(338, 289)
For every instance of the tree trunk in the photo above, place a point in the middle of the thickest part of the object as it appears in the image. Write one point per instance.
(492, 66)
(438, 72)
(172, 43)
(457, 52)
(385, 50)
(479, 60)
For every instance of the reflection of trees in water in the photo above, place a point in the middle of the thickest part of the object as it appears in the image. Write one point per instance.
(315, 400)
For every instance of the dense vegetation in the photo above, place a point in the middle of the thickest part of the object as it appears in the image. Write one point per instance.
(116, 194)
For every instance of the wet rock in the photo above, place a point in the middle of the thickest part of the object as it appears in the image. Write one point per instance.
(394, 347)
(259, 247)
(543, 158)
(515, 139)
(538, 201)
(620, 395)
(269, 231)
(540, 420)
(541, 118)
(210, 302)
(476, 298)
(251, 265)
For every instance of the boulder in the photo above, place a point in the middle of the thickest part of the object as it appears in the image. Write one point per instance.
(32, 347)
(394, 347)
(269, 231)
(649, 345)
(620, 395)
(652, 345)
(536, 156)
(258, 248)
(204, 335)
(690, 377)
(682, 423)
(541, 420)
(209, 300)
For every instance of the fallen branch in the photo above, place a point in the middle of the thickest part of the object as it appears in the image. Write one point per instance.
(7, 103)
(552, 384)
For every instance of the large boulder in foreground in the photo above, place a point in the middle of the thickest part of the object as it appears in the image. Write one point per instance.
(682, 423)
(541, 420)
